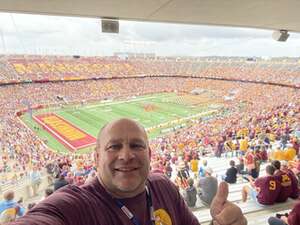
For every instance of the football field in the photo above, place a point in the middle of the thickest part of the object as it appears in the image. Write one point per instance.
(75, 128)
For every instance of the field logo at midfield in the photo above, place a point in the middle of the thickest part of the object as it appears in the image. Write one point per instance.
(150, 107)
(66, 133)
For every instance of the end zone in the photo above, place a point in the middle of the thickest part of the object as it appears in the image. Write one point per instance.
(65, 132)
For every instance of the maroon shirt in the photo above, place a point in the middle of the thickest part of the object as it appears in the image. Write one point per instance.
(269, 189)
(294, 215)
(295, 189)
(264, 155)
(91, 205)
(286, 186)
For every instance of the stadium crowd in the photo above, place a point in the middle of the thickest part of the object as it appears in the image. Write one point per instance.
(258, 122)
(16, 68)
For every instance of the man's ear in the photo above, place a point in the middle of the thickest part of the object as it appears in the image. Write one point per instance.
(96, 156)
(150, 152)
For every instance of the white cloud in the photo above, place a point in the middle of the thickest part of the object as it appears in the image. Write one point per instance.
(37, 34)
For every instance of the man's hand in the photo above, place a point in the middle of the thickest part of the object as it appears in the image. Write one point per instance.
(284, 219)
(224, 212)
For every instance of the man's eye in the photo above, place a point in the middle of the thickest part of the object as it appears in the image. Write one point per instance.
(114, 147)
(137, 146)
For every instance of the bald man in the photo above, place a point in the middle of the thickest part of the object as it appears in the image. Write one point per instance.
(125, 192)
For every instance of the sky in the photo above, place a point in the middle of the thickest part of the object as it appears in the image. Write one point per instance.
(57, 35)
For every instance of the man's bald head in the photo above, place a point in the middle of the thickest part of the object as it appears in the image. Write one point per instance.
(109, 125)
(123, 158)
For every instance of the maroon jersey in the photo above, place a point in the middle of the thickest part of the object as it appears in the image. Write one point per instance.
(269, 189)
(294, 215)
(286, 186)
(295, 189)
(264, 155)
(90, 204)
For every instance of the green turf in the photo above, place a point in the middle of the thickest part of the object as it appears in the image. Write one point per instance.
(91, 118)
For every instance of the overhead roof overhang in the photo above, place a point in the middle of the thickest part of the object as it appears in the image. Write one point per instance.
(266, 14)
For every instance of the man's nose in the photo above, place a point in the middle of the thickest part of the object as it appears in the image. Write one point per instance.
(126, 153)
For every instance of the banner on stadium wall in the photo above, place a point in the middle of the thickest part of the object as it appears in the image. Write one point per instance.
(65, 132)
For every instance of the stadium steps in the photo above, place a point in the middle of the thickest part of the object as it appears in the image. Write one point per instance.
(255, 214)
(250, 208)
(261, 218)
(258, 218)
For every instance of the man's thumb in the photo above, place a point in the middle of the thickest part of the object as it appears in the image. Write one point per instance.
(222, 193)
(219, 200)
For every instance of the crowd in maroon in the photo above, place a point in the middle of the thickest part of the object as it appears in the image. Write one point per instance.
(259, 112)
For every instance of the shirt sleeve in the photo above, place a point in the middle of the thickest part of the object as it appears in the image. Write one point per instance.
(61, 208)
(186, 215)
(48, 216)
(294, 215)
(257, 182)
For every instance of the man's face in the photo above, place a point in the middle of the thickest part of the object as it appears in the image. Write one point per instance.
(123, 158)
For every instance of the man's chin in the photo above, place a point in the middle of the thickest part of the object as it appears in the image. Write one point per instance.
(127, 188)
(130, 190)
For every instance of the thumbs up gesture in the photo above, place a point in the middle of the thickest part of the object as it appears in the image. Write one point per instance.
(224, 212)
